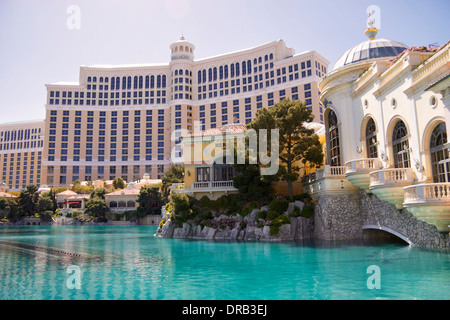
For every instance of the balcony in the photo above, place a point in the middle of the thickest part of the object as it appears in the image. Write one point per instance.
(358, 171)
(205, 187)
(430, 203)
(388, 184)
(328, 179)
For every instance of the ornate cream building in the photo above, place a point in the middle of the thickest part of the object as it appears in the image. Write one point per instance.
(124, 121)
(387, 115)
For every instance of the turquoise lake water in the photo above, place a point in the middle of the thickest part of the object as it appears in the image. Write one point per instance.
(134, 265)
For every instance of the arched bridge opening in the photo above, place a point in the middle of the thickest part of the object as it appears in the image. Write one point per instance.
(380, 232)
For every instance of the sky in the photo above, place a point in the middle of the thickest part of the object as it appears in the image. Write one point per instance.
(42, 41)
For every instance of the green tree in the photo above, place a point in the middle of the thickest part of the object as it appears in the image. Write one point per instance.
(3, 204)
(44, 203)
(99, 193)
(118, 183)
(96, 207)
(182, 208)
(175, 174)
(28, 199)
(150, 200)
(296, 142)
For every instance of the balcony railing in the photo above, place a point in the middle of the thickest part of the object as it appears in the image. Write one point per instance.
(363, 165)
(391, 177)
(325, 172)
(430, 192)
(212, 185)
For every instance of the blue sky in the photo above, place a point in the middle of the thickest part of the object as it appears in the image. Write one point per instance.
(37, 47)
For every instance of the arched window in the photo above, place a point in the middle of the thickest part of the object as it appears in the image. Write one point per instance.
(113, 204)
(237, 69)
(124, 82)
(147, 82)
(221, 72)
(117, 83)
(112, 83)
(135, 84)
(266, 57)
(122, 204)
(164, 81)
(249, 67)
(204, 75)
(106, 79)
(215, 74)
(371, 139)
(199, 76)
(152, 82)
(232, 70)
(129, 83)
(440, 160)
(158, 81)
(244, 68)
(225, 69)
(94, 79)
(181, 72)
(260, 59)
(209, 74)
(89, 79)
(271, 56)
(140, 82)
(333, 138)
(131, 204)
(101, 79)
(400, 146)
(255, 61)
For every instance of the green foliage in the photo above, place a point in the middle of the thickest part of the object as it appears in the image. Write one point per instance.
(96, 207)
(308, 211)
(182, 207)
(99, 193)
(150, 200)
(175, 174)
(272, 215)
(46, 216)
(296, 142)
(262, 214)
(118, 183)
(304, 197)
(279, 206)
(277, 223)
(28, 199)
(250, 183)
(44, 203)
(296, 212)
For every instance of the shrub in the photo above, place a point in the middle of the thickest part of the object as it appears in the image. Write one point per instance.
(279, 206)
(296, 212)
(308, 211)
(277, 223)
(304, 197)
(243, 224)
(262, 214)
(272, 215)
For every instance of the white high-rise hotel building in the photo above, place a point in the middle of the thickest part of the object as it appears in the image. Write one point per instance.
(118, 121)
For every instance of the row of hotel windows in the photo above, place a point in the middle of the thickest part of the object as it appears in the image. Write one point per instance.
(102, 133)
(137, 82)
(21, 145)
(91, 98)
(100, 170)
(17, 135)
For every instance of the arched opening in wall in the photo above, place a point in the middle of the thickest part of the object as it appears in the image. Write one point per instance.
(333, 145)
(400, 146)
(440, 160)
(376, 235)
(371, 139)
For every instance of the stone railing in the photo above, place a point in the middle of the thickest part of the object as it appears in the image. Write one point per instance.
(328, 178)
(392, 177)
(363, 165)
(430, 192)
(212, 184)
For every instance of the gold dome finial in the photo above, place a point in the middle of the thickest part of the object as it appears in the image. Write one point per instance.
(371, 30)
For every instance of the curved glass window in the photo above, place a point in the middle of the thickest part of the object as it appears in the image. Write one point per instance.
(400, 146)
(440, 160)
(371, 139)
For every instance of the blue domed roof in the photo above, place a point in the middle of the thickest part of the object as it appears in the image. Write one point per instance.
(371, 49)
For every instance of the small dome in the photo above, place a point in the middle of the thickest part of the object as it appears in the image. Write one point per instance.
(371, 49)
(146, 176)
